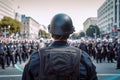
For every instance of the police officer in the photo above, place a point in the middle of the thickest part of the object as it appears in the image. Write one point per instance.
(18, 54)
(60, 61)
(11, 55)
(104, 49)
(2, 55)
(23, 50)
(31, 47)
(90, 45)
(98, 50)
(110, 54)
(42, 44)
(118, 54)
(83, 46)
(26, 49)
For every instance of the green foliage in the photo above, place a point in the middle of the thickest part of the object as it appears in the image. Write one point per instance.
(44, 34)
(82, 34)
(74, 36)
(91, 30)
(14, 24)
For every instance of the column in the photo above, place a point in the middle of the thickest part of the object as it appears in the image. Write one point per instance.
(117, 13)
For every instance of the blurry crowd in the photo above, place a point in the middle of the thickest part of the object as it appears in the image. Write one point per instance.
(100, 50)
(18, 51)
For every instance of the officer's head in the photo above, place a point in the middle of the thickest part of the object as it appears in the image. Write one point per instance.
(83, 39)
(61, 26)
(98, 40)
(110, 40)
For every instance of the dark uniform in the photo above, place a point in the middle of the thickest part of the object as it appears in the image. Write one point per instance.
(26, 50)
(23, 52)
(104, 51)
(87, 69)
(31, 48)
(11, 55)
(118, 54)
(18, 54)
(98, 53)
(60, 61)
(110, 54)
(83, 47)
(2, 55)
(90, 48)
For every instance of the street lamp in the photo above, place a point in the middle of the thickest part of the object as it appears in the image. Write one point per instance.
(5, 29)
(95, 32)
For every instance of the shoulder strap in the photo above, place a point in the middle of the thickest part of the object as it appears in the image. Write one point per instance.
(40, 76)
(78, 64)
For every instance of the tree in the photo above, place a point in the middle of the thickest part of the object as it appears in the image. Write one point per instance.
(91, 30)
(74, 36)
(43, 34)
(82, 34)
(14, 24)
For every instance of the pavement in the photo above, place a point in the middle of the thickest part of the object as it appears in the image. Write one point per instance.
(105, 71)
(12, 73)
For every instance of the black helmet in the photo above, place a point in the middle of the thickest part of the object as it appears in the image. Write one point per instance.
(61, 24)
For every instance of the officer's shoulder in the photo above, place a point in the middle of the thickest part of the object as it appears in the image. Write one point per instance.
(36, 53)
(86, 59)
(75, 48)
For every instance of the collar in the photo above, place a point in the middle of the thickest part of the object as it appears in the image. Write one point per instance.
(59, 44)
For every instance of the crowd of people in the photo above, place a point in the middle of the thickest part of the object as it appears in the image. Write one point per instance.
(100, 49)
(14, 51)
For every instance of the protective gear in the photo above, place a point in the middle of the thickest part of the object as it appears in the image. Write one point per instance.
(98, 40)
(33, 67)
(82, 39)
(110, 40)
(60, 63)
(105, 40)
(119, 41)
(61, 24)
(118, 55)
(2, 56)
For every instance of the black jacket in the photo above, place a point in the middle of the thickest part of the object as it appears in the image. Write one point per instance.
(87, 68)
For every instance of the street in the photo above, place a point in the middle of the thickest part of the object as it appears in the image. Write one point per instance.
(105, 71)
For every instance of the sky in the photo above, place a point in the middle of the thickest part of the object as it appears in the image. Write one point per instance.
(44, 10)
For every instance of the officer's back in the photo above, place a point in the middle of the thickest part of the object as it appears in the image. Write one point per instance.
(60, 61)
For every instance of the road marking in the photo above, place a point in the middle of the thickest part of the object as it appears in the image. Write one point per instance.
(97, 75)
(10, 75)
(17, 67)
(108, 74)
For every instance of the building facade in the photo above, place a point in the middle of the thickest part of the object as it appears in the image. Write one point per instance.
(88, 22)
(6, 8)
(18, 16)
(30, 28)
(109, 17)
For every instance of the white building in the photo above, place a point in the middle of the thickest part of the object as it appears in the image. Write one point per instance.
(6, 8)
(88, 22)
(18, 16)
(30, 28)
(109, 16)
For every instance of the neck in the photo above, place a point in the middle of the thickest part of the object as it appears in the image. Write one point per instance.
(61, 40)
